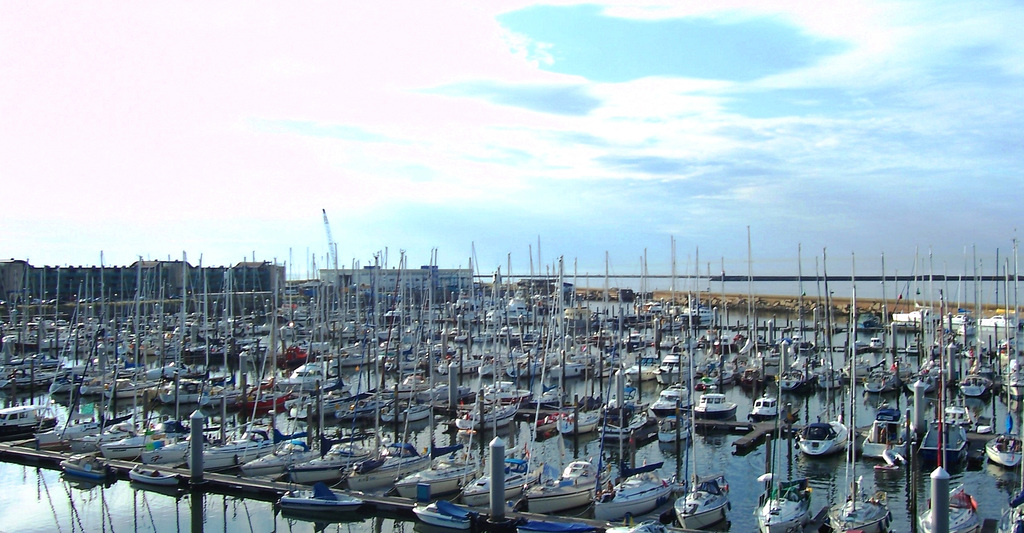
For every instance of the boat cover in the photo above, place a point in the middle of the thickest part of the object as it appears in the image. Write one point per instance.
(451, 509)
(322, 492)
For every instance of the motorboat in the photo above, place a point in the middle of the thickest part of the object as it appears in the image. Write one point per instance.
(823, 438)
(394, 462)
(575, 487)
(445, 514)
(641, 492)
(765, 408)
(318, 499)
(784, 507)
(86, 466)
(714, 406)
(670, 399)
(963, 514)
(25, 421)
(954, 443)
(671, 371)
(518, 475)
(886, 433)
(705, 505)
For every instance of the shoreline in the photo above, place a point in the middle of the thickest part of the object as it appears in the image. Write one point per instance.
(782, 303)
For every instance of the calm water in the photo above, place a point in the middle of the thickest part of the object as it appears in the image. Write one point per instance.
(36, 499)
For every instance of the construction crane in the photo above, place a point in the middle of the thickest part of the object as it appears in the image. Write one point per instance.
(332, 247)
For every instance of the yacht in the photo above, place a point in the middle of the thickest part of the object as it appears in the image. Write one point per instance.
(251, 445)
(861, 513)
(669, 399)
(518, 476)
(290, 452)
(641, 492)
(823, 438)
(576, 487)
(784, 507)
(25, 420)
(705, 505)
(340, 457)
(1004, 450)
(714, 406)
(954, 443)
(963, 514)
(394, 461)
(886, 433)
(765, 408)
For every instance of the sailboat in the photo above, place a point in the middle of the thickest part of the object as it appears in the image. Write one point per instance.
(826, 438)
(642, 491)
(784, 506)
(706, 503)
(1005, 449)
(963, 514)
(859, 512)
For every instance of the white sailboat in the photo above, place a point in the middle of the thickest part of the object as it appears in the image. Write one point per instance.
(641, 492)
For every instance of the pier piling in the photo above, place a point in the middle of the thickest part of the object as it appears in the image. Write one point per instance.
(196, 422)
(940, 500)
(497, 479)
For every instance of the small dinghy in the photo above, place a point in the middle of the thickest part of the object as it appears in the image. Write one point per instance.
(319, 499)
(148, 475)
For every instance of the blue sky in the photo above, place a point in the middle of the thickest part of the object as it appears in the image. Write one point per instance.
(496, 128)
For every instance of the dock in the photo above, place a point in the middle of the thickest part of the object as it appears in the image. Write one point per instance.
(24, 452)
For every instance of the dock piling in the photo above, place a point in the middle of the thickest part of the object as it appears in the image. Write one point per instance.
(196, 422)
(497, 479)
(940, 500)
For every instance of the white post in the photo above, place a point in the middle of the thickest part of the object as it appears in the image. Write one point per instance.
(497, 479)
(940, 500)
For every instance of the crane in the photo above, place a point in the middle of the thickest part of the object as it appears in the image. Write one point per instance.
(332, 247)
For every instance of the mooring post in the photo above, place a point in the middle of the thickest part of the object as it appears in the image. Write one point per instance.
(940, 500)
(453, 386)
(196, 422)
(497, 479)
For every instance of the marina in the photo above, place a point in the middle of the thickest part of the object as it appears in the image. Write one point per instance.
(435, 384)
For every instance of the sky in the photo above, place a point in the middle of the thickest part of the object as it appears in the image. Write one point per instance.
(512, 133)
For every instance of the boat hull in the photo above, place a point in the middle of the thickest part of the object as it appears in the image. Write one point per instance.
(557, 500)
